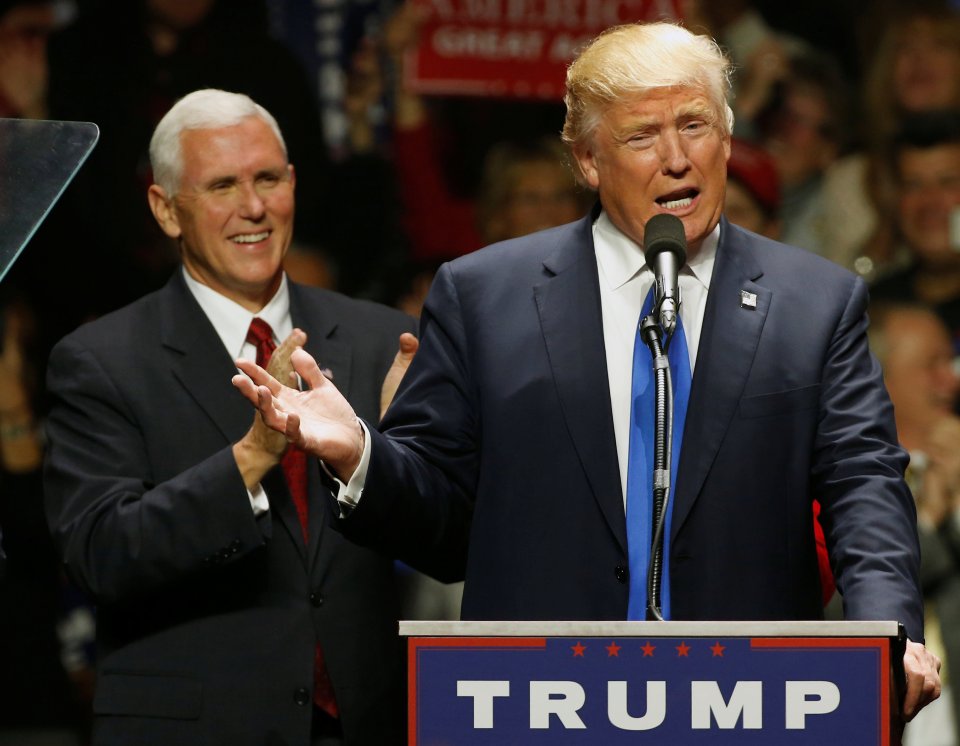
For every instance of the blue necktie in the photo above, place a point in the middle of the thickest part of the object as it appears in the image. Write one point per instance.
(640, 462)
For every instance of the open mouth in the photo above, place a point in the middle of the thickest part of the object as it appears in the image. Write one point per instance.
(678, 200)
(251, 237)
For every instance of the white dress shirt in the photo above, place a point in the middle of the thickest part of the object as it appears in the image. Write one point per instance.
(625, 280)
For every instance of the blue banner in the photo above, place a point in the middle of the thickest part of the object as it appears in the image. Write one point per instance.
(738, 691)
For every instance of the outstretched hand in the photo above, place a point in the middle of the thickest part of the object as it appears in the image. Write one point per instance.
(318, 420)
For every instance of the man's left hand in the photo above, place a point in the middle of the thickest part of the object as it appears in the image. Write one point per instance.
(922, 669)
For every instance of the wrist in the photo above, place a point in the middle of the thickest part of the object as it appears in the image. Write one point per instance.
(253, 461)
(343, 468)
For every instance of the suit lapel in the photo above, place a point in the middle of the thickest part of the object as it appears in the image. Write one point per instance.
(199, 360)
(330, 351)
(204, 368)
(728, 344)
(568, 303)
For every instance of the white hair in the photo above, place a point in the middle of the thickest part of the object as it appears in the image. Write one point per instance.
(208, 108)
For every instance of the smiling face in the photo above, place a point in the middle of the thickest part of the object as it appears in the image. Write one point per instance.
(542, 196)
(664, 151)
(929, 194)
(926, 72)
(233, 214)
(918, 372)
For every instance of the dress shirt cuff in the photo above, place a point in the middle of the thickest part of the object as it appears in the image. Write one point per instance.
(349, 493)
(258, 500)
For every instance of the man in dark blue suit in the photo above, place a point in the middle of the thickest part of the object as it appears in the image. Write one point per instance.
(511, 432)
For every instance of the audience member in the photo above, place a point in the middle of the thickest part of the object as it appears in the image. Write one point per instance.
(227, 610)
(914, 349)
(915, 67)
(804, 128)
(366, 245)
(926, 168)
(25, 26)
(752, 199)
(760, 55)
(525, 184)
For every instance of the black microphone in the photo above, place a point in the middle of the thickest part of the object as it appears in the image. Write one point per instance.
(665, 249)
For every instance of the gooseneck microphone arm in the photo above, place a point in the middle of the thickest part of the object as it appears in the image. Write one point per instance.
(664, 247)
(662, 458)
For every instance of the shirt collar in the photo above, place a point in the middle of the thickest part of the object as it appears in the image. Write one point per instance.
(231, 320)
(621, 259)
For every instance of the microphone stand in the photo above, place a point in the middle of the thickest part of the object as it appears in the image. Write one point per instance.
(662, 455)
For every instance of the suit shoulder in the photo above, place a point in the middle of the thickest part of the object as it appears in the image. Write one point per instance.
(119, 328)
(518, 255)
(779, 259)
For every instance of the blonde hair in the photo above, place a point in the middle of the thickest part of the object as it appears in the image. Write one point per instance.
(636, 58)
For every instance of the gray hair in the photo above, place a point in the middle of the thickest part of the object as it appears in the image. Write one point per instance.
(637, 58)
(208, 108)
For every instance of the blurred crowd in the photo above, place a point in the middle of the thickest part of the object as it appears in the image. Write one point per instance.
(847, 144)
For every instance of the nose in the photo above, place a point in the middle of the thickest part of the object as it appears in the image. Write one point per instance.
(672, 152)
(251, 204)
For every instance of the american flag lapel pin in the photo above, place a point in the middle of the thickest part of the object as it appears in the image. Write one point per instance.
(748, 300)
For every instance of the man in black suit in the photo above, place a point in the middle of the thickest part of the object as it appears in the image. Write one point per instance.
(228, 611)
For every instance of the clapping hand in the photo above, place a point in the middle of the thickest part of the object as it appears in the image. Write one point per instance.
(261, 448)
(318, 420)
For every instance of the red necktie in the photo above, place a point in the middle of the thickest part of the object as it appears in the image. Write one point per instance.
(294, 463)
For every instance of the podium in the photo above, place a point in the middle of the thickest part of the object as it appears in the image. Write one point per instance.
(677, 683)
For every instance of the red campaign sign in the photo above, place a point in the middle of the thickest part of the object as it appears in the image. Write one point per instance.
(514, 48)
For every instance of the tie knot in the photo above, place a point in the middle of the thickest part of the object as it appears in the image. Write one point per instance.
(260, 335)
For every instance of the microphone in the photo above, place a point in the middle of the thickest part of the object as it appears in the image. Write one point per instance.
(665, 249)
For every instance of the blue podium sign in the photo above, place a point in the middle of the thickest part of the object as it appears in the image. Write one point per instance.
(652, 683)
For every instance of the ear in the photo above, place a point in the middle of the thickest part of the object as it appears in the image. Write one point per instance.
(293, 175)
(163, 211)
(586, 161)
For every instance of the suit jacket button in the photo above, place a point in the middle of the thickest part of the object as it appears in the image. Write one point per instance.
(622, 573)
(316, 599)
(302, 696)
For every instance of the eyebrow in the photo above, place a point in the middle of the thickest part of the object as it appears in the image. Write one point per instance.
(279, 172)
(697, 109)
